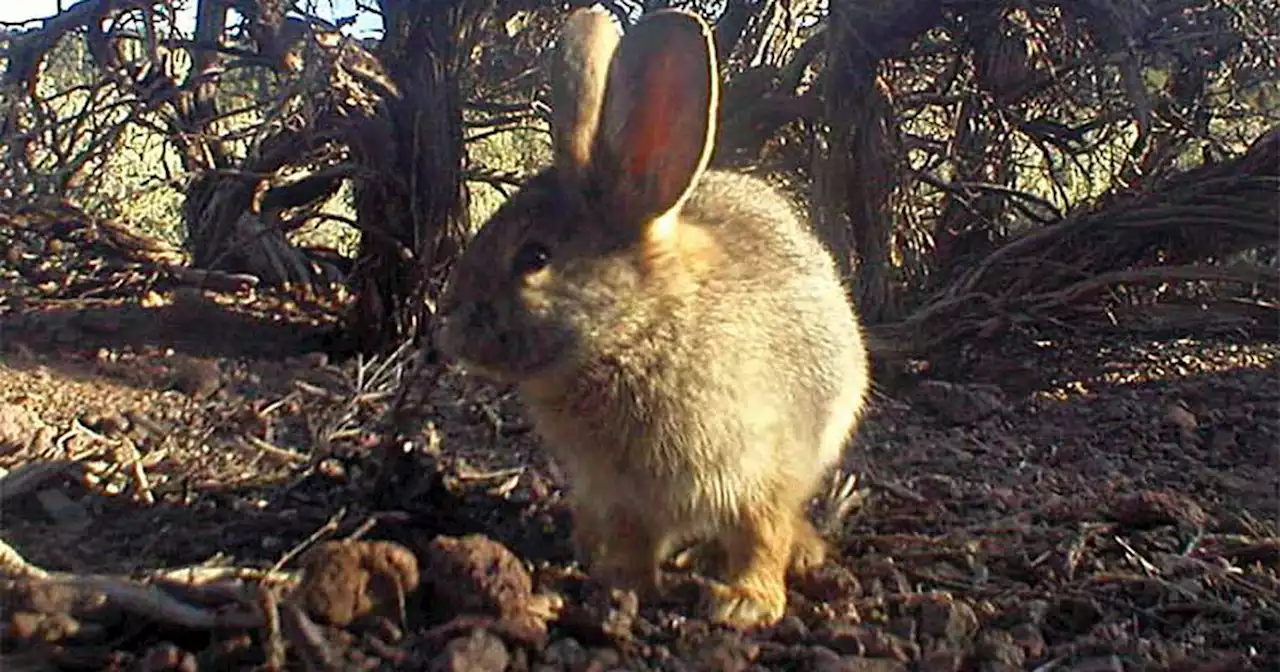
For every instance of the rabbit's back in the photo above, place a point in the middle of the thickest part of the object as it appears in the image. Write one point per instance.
(780, 300)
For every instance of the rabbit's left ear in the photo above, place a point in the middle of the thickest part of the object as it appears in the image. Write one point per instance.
(579, 76)
(657, 127)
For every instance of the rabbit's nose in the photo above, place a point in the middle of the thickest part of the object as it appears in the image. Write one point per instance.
(466, 317)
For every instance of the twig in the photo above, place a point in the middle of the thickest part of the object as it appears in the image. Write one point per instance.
(146, 600)
(268, 447)
(329, 526)
(896, 489)
(363, 529)
(272, 641)
(316, 652)
(29, 476)
(133, 462)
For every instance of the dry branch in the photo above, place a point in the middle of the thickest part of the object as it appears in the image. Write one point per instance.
(1179, 232)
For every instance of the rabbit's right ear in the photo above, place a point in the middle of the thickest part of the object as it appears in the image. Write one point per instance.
(578, 81)
(658, 123)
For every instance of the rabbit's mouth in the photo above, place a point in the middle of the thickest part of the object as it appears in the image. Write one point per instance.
(505, 371)
(503, 356)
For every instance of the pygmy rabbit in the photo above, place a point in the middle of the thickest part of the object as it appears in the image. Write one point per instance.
(679, 336)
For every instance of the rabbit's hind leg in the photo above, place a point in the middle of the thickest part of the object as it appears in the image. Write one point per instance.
(757, 552)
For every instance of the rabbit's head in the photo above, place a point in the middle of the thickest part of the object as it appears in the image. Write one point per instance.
(592, 245)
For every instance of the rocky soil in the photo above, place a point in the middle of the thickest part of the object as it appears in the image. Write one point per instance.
(188, 482)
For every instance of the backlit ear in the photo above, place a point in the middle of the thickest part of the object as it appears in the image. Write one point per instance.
(658, 123)
(578, 80)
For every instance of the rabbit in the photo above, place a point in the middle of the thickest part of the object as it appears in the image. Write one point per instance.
(679, 337)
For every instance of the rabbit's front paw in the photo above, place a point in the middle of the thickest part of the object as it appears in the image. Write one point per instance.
(746, 607)
(629, 574)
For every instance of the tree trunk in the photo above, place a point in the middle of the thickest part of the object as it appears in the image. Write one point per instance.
(414, 214)
(207, 197)
(973, 221)
(855, 177)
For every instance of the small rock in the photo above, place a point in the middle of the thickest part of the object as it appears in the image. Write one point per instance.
(314, 360)
(960, 404)
(110, 424)
(941, 660)
(606, 615)
(167, 657)
(62, 510)
(1033, 612)
(1029, 638)
(791, 630)
(729, 652)
(1178, 416)
(1148, 509)
(565, 654)
(1098, 664)
(859, 640)
(81, 601)
(829, 584)
(822, 659)
(1073, 615)
(482, 651)
(18, 424)
(904, 627)
(998, 646)
(949, 621)
(1223, 440)
(858, 664)
(30, 627)
(604, 659)
(1210, 661)
(349, 580)
(196, 378)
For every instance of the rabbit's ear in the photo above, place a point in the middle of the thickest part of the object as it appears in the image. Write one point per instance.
(658, 123)
(578, 81)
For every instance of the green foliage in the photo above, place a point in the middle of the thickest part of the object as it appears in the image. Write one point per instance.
(135, 174)
(517, 153)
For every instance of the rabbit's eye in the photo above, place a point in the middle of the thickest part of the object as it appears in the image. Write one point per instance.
(531, 258)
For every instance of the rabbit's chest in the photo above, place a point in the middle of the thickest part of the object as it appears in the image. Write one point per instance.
(684, 465)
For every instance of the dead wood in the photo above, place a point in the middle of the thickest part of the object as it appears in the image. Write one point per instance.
(1187, 229)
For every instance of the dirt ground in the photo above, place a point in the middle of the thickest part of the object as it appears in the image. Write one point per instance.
(190, 484)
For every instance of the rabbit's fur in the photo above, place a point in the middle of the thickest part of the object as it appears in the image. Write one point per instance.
(679, 336)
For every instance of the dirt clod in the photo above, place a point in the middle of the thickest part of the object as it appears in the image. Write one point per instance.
(1000, 647)
(18, 425)
(859, 664)
(476, 575)
(1149, 509)
(863, 640)
(1062, 500)
(346, 581)
(947, 622)
(196, 378)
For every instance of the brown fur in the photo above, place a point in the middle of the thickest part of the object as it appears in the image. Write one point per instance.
(688, 354)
